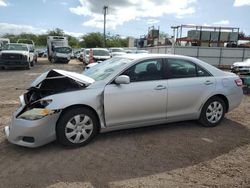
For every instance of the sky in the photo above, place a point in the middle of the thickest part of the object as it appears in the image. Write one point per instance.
(124, 17)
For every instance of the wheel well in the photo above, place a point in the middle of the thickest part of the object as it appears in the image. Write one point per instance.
(81, 106)
(224, 98)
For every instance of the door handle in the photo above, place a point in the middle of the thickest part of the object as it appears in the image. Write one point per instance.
(208, 82)
(160, 87)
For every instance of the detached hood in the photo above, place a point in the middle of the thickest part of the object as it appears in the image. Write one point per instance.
(75, 76)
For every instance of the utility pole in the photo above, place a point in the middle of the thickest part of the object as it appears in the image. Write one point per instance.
(105, 9)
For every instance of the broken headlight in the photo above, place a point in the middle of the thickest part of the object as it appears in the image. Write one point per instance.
(36, 110)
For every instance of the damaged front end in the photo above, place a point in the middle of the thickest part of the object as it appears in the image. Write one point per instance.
(33, 124)
(54, 83)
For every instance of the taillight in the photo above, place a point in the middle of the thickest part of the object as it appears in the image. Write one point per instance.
(238, 82)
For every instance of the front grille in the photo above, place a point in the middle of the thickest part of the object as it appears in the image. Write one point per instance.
(12, 56)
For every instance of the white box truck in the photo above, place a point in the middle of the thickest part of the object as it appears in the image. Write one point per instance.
(58, 49)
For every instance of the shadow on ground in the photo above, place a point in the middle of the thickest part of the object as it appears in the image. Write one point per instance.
(119, 155)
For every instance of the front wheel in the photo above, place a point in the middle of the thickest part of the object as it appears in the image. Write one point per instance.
(77, 127)
(28, 66)
(212, 112)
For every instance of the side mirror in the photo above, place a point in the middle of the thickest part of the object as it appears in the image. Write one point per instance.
(32, 50)
(122, 79)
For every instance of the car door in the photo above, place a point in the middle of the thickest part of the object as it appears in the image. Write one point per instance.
(189, 85)
(143, 99)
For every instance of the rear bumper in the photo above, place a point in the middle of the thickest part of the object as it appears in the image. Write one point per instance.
(235, 99)
(61, 59)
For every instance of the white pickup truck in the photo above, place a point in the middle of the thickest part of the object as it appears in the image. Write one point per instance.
(16, 55)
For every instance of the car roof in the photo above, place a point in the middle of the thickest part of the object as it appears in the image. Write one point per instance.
(139, 56)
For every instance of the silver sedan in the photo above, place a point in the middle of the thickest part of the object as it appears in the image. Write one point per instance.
(123, 92)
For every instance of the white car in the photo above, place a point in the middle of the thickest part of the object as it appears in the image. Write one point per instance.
(241, 67)
(117, 52)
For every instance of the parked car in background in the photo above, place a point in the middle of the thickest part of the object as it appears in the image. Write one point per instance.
(241, 67)
(116, 52)
(41, 52)
(16, 55)
(85, 56)
(136, 51)
(123, 92)
(99, 55)
(4, 41)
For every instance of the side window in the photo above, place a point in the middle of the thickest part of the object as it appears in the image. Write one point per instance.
(145, 71)
(201, 72)
(177, 68)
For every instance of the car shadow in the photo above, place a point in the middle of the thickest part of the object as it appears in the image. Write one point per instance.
(120, 155)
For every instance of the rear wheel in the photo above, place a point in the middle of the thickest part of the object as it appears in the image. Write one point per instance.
(77, 127)
(212, 112)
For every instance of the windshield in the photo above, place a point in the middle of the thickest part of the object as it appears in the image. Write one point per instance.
(106, 68)
(100, 52)
(117, 50)
(19, 47)
(63, 50)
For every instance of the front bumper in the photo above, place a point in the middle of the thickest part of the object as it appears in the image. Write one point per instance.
(32, 133)
(62, 59)
(13, 63)
(243, 70)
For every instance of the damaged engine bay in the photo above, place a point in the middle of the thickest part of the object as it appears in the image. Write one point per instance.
(53, 84)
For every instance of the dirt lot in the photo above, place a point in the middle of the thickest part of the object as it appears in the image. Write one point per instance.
(174, 155)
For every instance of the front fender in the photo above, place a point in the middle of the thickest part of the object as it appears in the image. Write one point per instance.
(88, 97)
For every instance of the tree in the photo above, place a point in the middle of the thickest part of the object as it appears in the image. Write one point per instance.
(93, 40)
(56, 32)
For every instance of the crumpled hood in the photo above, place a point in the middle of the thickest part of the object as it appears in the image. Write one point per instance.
(14, 52)
(75, 76)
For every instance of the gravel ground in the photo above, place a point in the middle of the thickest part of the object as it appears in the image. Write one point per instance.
(175, 155)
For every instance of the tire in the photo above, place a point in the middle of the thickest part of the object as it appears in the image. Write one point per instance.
(212, 112)
(69, 134)
(32, 63)
(52, 60)
(28, 66)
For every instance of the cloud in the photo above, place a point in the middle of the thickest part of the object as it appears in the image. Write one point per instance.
(18, 29)
(152, 21)
(74, 34)
(64, 3)
(239, 3)
(3, 3)
(222, 22)
(123, 11)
